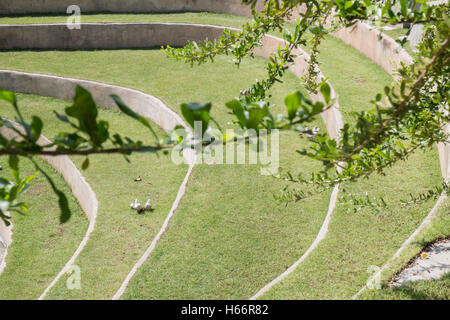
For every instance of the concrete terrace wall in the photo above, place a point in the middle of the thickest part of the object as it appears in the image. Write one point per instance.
(125, 6)
(378, 47)
(64, 88)
(80, 188)
(388, 54)
(125, 35)
(103, 36)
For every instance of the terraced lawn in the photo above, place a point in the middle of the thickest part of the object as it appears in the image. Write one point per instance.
(41, 245)
(356, 241)
(229, 238)
(121, 235)
(290, 229)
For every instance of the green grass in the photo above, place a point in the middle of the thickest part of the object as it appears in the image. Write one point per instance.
(437, 289)
(229, 237)
(418, 290)
(396, 34)
(211, 18)
(337, 269)
(287, 231)
(356, 241)
(41, 245)
(121, 235)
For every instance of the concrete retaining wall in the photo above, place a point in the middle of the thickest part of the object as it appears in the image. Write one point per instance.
(124, 6)
(73, 177)
(388, 54)
(64, 88)
(124, 35)
(103, 36)
(378, 47)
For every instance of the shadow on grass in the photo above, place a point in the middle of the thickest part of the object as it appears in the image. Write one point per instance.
(424, 290)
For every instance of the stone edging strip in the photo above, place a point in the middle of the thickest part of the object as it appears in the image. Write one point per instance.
(320, 236)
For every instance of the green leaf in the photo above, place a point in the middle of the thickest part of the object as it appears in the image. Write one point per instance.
(228, 136)
(326, 92)
(36, 128)
(404, 7)
(4, 183)
(256, 113)
(85, 164)
(61, 117)
(8, 96)
(293, 102)
(125, 109)
(85, 111)
(14, 166)
(316, 30)
(238, 110)
(193, 112)
(14, 162)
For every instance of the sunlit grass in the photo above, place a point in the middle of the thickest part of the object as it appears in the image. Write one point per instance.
(229, 238)
(41, 245)
(235, 193)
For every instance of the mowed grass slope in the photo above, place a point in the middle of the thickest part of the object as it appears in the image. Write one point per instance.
(337, 269)
(422, 290)
(212, 251)
(121, 235)
(41, 245)
(220, 200)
